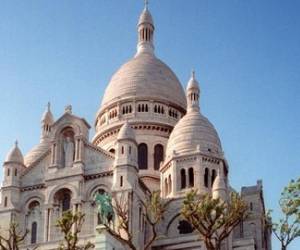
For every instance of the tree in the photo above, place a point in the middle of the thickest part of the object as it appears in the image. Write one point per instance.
(70, 225)
(213, 219)
(14, 239)
(154, 209)
(288, 227)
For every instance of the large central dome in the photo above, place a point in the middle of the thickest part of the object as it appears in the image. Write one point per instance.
(145, 92)
(145, 76)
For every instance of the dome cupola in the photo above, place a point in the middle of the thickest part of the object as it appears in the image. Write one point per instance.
(193, 132)
(15, 155)
(145, 32)
(193, 93)
(146, 93)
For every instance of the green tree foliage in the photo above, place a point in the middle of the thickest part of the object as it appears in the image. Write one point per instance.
(287, 228)
(14, 238)
(213, 219)
(70, 225)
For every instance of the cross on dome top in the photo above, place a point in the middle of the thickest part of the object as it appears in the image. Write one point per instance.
(146, 3)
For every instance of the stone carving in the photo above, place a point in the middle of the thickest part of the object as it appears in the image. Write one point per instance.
(68, 151)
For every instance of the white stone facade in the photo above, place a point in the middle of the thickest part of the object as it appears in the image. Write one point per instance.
(150, 135)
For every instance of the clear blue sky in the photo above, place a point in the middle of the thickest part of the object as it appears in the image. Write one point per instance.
(246, 55)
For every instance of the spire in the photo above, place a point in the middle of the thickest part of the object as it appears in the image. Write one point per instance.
(47, 115)
(145, 32)
(47, 121)
(193, 93)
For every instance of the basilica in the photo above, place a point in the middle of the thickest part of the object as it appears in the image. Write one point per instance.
(150, 134)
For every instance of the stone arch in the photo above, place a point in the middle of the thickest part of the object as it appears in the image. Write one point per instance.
(74, 192)
(32, 197)
(91, 190)
(62, 199)
(74, 126)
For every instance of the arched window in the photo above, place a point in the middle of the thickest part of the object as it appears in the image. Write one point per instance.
(183, 178)
(143, 156)
(33, 233)
(112, 150)
(170, 184)
(251, 206)
(185, 227)
(121, 181)
(5, 201)
(166, 186)
(62, 199)
(122, 149)
(33, 206)
(16, 172)
(158, 155)
(8, 172)
(206, 173)
(66, 202)
(191, 177)
(213, 176)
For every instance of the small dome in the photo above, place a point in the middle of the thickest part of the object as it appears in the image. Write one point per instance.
(36, 152)
(126, 132)
(145, 17)
(193, 132)
(15, 155)
(146, 77)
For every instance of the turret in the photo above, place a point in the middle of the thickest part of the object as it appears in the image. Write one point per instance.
(219, 189)
(125, 166)
(13, 167)
(145, 32)
(46, 123)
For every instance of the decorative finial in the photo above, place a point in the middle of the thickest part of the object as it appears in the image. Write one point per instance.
(48, 106)
(16, 143)
(193, 73)
(146, 4)
(68, 109)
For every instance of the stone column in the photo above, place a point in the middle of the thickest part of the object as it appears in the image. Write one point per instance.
(50, 219)
(46, 223)
(174, 177)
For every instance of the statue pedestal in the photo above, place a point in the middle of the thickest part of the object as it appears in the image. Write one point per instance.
(104, 241)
